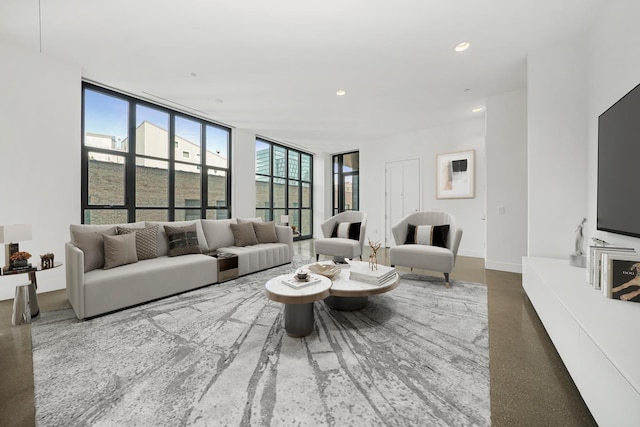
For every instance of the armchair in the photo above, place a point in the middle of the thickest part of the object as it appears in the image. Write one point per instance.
(420, 249)
(350, 242)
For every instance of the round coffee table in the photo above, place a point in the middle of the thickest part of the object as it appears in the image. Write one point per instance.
(298, 303)
(347, 294)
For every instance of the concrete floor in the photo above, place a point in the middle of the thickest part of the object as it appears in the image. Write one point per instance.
(529, 384)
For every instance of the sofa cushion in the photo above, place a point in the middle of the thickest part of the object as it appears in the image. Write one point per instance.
(265, 232)
(101, 227)
(347, 230)
(163, 241)
(119, 250)
(245, 220)
(146, 240)
(218, 233)
(433, 235)
(92, 244)
(182, 240)
(243, 234)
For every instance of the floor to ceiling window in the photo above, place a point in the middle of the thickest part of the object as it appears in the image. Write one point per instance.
(284, 182)
(346, 182)
(141, 161)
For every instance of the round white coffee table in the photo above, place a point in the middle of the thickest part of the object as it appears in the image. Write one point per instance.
(298, 303)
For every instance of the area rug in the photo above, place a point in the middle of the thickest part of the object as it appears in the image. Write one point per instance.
(417, 355)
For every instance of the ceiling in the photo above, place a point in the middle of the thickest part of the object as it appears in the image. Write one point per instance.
(275, 66)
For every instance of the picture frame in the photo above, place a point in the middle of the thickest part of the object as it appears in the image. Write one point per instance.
(455, 175)
(621, 276)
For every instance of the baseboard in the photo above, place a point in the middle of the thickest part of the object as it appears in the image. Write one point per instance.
(470, 253)
(503, 266)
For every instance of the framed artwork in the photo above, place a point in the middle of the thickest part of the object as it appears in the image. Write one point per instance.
(455, 174)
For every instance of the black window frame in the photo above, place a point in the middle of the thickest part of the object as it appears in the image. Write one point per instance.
(341, 174)
(131, 156)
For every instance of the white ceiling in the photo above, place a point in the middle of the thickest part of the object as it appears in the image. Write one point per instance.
(276, 64)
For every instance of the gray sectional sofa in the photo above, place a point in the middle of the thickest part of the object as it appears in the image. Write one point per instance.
(93, 290)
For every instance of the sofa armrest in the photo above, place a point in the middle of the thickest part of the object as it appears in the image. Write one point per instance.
(285, 235)
(74, 264)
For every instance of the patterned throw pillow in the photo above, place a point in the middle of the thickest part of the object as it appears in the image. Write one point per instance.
(146, 240)
(347, 230)
(182, 240)
(432, 235)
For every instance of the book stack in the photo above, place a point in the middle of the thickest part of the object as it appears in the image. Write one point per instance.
(361, 272)
(595, 270)
(294, 283)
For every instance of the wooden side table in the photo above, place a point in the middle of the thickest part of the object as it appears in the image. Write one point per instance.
(20, 314)
(227, 265)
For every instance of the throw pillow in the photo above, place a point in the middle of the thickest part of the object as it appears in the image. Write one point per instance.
(92, 244)
(146, 240)
(119, 250)
(432, 235)
(265, 232)
(182, 240)
(243, 234)
(347, 230)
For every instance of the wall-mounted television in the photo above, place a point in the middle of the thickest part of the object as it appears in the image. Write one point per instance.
(619, 166)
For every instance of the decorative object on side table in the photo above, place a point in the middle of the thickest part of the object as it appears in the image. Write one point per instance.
(373, 257)
(578, 258)
(46, 261)
(11, 235)
(19, 260)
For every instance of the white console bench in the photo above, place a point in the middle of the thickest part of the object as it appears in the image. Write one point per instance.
(598, 338)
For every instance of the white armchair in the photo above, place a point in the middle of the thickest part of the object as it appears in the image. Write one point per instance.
(424, 253)
(342, 247)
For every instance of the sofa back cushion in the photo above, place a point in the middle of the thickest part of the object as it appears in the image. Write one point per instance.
(245, 220)
(163, 241)
(91, 242)
(218, 232)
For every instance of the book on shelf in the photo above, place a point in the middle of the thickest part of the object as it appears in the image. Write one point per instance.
(361, 272)
(621, 273)
(299, 284)
(595, 262)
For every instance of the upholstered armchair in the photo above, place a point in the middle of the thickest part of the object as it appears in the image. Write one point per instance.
(343, 235)
(426, 240)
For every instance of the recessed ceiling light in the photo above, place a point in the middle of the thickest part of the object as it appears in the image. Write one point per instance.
(194, 75)
(477, 109)
(341, 92)
(462, 46)
(219, 101)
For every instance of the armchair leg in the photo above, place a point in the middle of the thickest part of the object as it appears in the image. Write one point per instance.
(446, 279)
(317, 257)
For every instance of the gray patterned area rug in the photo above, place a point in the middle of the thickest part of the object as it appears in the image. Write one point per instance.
(417, 355)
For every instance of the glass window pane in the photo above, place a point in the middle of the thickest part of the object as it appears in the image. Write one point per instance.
(294, 198)
(336, 193)
(336, 164)
(279, 161)
(348, 193)
(187, 140)
(263, 191)
(187, 191)
(152, 132)
(187, 214)
(351, 162)
(263, 158)
(217, 188)
(217, 214)
(106, 121)
(306, 195)
(264, 214)
(277, 216)
(294, 219)
(305, 167)
(217, 146)
(152, 215)
(105, 216)
(355, 192)
(305, 225)
(279, 190)
(294, 165)
(152, 182)
(106, 179)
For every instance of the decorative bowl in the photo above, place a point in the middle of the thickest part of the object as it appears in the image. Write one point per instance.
(326, 270)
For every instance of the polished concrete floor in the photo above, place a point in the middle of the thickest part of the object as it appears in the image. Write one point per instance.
(529, 384)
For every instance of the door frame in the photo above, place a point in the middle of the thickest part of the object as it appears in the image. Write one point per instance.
(388, 235)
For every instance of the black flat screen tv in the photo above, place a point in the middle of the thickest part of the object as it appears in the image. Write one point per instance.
(619, 166)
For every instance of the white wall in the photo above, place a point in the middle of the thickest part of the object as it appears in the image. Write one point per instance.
(322, 191)
(40, 157)
(506, 145)
(557, 147)
(425, 144)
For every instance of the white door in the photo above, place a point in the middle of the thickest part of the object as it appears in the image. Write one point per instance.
(402, 193)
